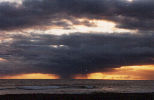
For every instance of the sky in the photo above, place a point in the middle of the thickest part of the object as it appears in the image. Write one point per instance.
(79, 39)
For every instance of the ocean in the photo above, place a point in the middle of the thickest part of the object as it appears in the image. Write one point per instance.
(74, 86)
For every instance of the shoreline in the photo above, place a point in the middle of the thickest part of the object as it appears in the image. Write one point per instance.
(92, 96)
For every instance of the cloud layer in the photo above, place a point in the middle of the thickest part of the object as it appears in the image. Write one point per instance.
(75, 53)
(68, 55)
(37, 13)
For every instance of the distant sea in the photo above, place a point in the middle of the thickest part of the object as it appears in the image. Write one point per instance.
(74, 86)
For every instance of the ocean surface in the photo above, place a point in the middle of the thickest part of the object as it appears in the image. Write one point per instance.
(74, 86)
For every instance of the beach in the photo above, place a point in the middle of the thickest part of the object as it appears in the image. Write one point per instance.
(94, 96)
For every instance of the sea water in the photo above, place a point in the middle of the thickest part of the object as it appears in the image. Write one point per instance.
(74, 86)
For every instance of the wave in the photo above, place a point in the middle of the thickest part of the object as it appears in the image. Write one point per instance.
(53, 87)
(38, 87)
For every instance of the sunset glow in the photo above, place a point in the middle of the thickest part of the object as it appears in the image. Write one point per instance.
(2, 60)
(123, 73)
(32, 76)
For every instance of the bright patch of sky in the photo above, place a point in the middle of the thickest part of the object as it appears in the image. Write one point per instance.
(12, 1)
(98, 26)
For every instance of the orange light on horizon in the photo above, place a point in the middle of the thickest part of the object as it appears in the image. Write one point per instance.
(143, 72)
(2, 60)
(103, 76)
(32, 76)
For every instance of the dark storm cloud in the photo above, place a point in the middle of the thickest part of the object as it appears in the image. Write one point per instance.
(132, 15)
(68, 55)
(77, 53)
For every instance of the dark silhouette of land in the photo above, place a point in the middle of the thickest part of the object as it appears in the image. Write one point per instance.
(93, 96)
